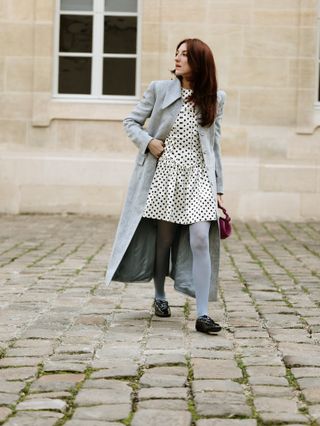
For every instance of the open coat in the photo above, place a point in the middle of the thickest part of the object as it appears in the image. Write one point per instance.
(133, 254)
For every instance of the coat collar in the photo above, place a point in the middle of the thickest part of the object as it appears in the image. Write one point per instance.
(173, 93)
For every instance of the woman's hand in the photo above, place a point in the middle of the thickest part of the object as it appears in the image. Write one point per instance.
(219, 199)
(156, 147)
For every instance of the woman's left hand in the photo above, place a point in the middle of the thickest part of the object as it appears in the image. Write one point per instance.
(219, 199)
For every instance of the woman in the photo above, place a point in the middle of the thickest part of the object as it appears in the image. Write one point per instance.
(169, 223)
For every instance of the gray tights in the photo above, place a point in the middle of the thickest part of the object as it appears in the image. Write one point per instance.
(201, 265)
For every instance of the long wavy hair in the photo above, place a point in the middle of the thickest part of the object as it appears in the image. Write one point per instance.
(203, 79)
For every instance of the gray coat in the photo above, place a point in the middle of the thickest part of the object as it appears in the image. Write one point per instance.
(133, 253)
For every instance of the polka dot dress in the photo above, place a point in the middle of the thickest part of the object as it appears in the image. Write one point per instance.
(180, 191)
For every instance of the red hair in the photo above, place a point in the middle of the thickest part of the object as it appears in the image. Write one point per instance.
(203, 80)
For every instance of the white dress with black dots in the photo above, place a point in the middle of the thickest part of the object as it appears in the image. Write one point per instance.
(180, 191)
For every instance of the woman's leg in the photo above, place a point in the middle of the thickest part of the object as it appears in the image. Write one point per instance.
(165, 235)
(201, 266)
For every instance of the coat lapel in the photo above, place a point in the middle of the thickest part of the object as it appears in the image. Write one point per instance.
(173, 93)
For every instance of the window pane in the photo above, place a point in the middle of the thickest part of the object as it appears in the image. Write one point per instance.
(76, 5)
(75, 75)
(120, 5)
(120, 34)
(119, 76)
(75, 33)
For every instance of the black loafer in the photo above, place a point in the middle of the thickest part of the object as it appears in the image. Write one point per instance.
(205, 324)
(161, 308)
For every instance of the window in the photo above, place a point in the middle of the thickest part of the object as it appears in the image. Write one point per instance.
(97, 48)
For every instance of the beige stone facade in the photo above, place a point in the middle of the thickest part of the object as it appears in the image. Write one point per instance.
(68, 155)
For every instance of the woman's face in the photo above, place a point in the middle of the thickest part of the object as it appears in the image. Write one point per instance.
(182, 67)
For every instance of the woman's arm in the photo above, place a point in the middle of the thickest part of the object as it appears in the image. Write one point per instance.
(133, 124)
(216, 144)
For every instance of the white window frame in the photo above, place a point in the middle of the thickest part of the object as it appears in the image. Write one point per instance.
(97, 55)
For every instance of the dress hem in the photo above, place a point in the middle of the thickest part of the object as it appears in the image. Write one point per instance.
(180, 223)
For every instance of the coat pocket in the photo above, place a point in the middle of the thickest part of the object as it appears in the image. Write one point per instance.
(141, 159)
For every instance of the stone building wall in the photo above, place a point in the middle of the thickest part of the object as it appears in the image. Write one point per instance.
(67, 156)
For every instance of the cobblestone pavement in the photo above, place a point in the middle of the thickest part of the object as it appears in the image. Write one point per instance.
(78, 354)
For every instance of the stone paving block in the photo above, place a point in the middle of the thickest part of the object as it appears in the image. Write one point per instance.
(52, 366)
(56, 382)
(308, 360)
(8, 398)
(216, 386)
(36, 418)
(163, 404)
(243, 322)
(214, 342)
(314, 411)
(162, 393)
(103, 412)
(228, 398)
(52, 395)
(118, 352)
(34, 343)
(162, 380)
(213, 409)
(257, 351)
(10, 387)
(300, 372)
(115, 395)
(74, 349)
(19, 362)
(211, 354)
(270, 360)
(145, 417)
(273, 391)
(267, 296)
(98, 320)
(168, 370)
(116, 385)
(215, 369)
(313, 321)
(282, 418)
(20, 373)
(260, 343)
(165, 357)
(4, 413)
(161, 342)
(256, 371)
(42, 404)
(275, 309)
(40, 333)
(299, 335)
(309, 382)
(84, 331)
(312, 395)
(275, 405)
(120, 370)
(69, 358)
(28, 352)
(250, 333)
(282, 321)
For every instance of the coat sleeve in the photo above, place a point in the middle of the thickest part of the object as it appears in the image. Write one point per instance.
(216, 145)
(134, 122)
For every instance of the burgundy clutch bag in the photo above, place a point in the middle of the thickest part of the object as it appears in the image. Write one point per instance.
(225, 224)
